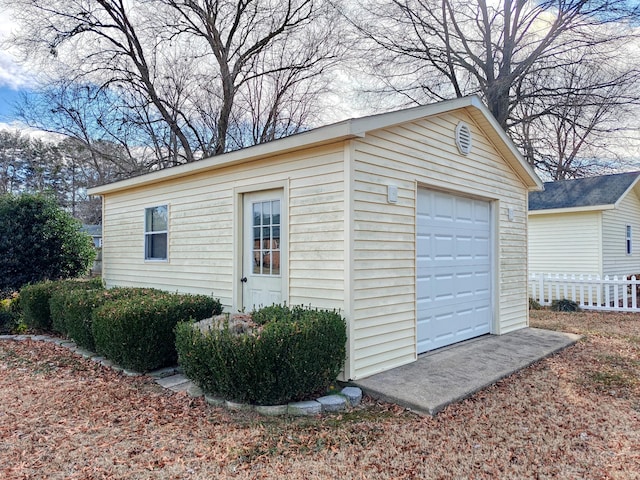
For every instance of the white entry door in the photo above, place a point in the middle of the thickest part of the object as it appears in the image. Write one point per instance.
(454, 269)
(262, 248)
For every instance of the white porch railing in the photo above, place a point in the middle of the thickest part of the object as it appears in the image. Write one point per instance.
(590, 292)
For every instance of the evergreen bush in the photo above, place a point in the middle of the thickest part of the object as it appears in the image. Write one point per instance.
(72, 310)
(293, 353)
(40, 241)
(138, 332)
(9, 313)
(34, 301)
(564, 305)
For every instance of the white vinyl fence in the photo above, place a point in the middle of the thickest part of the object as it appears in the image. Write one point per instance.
(590, 292)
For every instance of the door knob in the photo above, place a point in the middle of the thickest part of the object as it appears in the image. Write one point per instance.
(243, 279)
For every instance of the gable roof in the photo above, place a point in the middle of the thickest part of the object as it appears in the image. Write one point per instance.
(345, 130)
(591, 193)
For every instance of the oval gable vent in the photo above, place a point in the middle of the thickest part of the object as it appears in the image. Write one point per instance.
(463, 138)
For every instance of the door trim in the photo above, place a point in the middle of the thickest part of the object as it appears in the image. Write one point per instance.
(238, 238)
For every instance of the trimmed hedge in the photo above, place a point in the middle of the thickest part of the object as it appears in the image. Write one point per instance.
(9, 313)
(34, 300)
(72, 310)
(138, 333)
(297, 352)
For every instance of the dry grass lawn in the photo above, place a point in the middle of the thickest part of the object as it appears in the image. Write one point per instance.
(575, 415)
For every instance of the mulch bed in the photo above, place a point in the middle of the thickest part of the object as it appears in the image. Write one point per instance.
(573, 415)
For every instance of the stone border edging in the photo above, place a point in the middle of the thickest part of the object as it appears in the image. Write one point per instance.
(171, 378)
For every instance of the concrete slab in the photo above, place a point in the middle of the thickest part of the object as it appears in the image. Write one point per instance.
(453, 373)
(164, 372)
(173, 381)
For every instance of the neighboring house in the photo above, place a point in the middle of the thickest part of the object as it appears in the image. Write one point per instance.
(587, 226)
(95, 231)
(411, 223)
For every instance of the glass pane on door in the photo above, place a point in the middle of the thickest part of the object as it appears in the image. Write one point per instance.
(266, 238)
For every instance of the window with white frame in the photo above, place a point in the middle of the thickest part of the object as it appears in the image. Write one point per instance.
(629, 240)
(156, 232)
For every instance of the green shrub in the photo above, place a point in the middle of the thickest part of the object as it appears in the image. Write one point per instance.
(138, 332)
(9, 313)
(564, 305)
(72, 310)
(35, 301)
(295, 353)
(39, 241)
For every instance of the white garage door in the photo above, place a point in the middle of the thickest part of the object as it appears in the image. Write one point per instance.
(454, 269)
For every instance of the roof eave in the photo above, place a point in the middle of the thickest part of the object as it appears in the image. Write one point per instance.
(342, 131)
(506, 146)
(589, 208)
(313, 138)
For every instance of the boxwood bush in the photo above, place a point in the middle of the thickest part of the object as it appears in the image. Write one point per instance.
(294, 353)
(34, 300)
(138, 332)
(9, 313)
(72, 310)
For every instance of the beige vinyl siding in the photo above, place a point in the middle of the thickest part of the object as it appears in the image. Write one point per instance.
(201, 226)
(614, 222)
(316, 235)
(347, 247)
(423, 153)
(568, 243)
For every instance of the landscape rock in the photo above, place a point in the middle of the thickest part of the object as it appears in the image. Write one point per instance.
(272, 410)
(353, 395)
(194, 391)
(332, 403)
(309, 407)
(214, 401)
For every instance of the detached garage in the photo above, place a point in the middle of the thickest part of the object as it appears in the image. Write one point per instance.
(412, 223)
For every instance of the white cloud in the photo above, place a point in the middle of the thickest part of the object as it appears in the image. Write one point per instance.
(16, 126)
(12, 73)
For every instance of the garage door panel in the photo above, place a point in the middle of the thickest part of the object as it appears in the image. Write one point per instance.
(481, 248)
(442, 327)
(443, 208)
(464, 210)
(457, 287)
(443, 246)
(464, 247)
(482, 212)
(443, 287)
(454, 269)
(453, 247)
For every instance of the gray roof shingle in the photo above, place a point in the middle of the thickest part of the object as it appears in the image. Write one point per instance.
(92, 230)
(582, 192)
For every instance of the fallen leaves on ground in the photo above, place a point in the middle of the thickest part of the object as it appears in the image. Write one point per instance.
(573, 415)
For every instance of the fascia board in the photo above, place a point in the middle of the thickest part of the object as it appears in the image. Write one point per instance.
(336, 132)
(506, 146)
(321, 136)
(591, 208)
